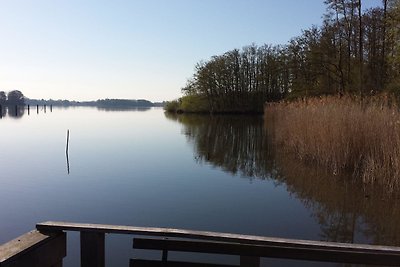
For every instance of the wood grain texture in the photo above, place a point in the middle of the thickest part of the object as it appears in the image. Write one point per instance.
(34, 249)
(206, 235)
(250, 252)
(261, 246)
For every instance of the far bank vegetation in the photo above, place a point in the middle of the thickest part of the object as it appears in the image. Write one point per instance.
(355, 51)
(332, 93)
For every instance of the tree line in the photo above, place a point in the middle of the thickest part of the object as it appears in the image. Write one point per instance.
(355, 51)
(14, 97)
(119, 103)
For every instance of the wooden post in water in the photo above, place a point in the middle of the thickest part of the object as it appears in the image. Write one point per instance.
(44, 108)
(37, 109)
(16, 110)
(66, 151)
(51, 108)
(1, 112)
(28, 111)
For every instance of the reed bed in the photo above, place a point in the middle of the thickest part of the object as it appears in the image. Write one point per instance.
(344, 134)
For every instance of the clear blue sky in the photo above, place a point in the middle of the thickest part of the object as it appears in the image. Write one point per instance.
(91, 49)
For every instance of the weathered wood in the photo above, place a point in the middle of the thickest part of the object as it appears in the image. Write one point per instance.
(201, 247)
(92, 249)
(195, 246)
(250, 253)
(212, 236)
(34, 249)
(151, 263)
(262, 246)
(164, 256)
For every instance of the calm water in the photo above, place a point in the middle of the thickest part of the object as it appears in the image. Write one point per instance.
(144, 168)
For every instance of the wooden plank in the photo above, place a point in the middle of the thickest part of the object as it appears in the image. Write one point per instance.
(34, 249)
(21, 243)
(270, 251)
(151, 263)
(194, 246)
(212, 236)
(92, 249)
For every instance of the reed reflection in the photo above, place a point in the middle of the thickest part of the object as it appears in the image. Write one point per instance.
(347, 211)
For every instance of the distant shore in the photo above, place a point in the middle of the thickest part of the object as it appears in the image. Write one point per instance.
(106, 103)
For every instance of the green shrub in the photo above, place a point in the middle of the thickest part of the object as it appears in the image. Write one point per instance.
(172, 106)
(194, 103)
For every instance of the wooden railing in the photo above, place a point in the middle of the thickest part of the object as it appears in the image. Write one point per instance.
(46, 247)
(34, 249)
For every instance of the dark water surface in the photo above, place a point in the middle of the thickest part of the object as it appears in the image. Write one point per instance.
(145, 168)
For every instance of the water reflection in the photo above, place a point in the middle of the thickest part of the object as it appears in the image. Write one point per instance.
(346, 211)
(2, 112)
(14, 112)
(20, 111)
(233, 143)
(124, 108)
(17, 112)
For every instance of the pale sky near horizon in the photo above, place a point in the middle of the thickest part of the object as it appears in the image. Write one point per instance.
(138, 49)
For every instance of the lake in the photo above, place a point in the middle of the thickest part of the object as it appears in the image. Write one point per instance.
(147, 168)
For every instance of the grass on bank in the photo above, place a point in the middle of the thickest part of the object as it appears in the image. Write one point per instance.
(344, 134)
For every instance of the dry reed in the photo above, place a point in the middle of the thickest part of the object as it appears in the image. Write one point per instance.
(344, 134)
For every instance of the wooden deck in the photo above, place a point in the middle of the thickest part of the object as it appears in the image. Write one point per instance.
(38, 246)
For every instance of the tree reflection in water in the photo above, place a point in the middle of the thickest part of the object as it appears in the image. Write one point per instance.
(12, 112)
(16, 112)
(2, 112)
(233, 143)
(346, 210)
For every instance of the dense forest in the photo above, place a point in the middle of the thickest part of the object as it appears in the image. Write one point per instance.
(354, 51)
(14, 97)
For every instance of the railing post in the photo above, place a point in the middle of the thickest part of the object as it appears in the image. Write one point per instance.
(92, 249)
(249, 261)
